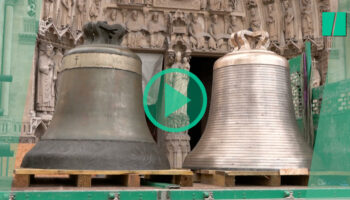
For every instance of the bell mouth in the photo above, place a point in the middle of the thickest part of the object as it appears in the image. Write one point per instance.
(95, 155)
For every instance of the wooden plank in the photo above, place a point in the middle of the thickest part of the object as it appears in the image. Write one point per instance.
(300, 171)
(251, 173)
(83, 180)
(223, 179)
(21, 180)
(274, 180)
(183, 180)
(101, 172)
(131, 180)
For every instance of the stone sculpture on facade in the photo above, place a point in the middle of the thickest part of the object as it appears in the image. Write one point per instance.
(156, 30)
(48, 11)
(46, 78)
(216, 31)
(178, 145)
(255, 21)
(135, 37)
(307, 19)
(79, 15)
(289, 31)
(94, 11)
(271, 22)
(197, 34)
(64, 14)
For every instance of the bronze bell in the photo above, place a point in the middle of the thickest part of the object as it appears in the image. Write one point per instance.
(99, 121)
(251, 124)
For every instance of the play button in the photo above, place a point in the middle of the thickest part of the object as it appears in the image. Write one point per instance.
(175, 100)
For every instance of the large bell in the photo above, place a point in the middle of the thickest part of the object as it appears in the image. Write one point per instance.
(99, 121)
(251, 122)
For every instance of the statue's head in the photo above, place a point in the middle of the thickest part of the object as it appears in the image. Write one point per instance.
(285, 3)
(113, 14)
(178, 56)
(195, 17)
(270, 7)
(134, 15)
(155, 17)
(50, 50)
(252, 11)
(215, 18)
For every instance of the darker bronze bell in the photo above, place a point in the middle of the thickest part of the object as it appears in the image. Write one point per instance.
(99, 121)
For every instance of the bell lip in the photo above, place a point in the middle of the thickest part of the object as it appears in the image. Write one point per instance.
(103, 48)
(248, 57)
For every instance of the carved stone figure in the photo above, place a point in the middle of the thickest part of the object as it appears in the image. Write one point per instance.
(288, 21)
(112, 17)
(216, 4)
(94, 10)
(255, 22)
(46, 87)
(179, 82)
(79, 15)
(135, 36)
(197, 34)
(217, 38)
(48, 10)
(315, 75)
(235, 24)
(307, 18)
(157, 30)
(271, 22)
(64, 13)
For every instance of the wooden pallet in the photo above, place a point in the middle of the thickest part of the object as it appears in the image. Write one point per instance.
(266, 178)
(83, 178)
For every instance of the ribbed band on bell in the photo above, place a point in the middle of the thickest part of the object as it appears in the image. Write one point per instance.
(101, 60)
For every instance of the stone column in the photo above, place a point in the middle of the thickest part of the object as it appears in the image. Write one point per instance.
(7, 51)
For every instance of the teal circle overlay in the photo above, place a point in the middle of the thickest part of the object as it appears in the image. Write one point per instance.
(199, 84)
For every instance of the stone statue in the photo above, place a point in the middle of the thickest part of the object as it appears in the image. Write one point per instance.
(179, 82)
(48, 10)
(315, 75)
(216, 40)
(64, 13)
(79, 15)
(113, 16)
(255, 23)
(197, 34)
(94, 10)
(288, 21)
(157, 30)
(46, 87)
(307, 18)
(235, 25)
(135, 36)
(271, 22)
